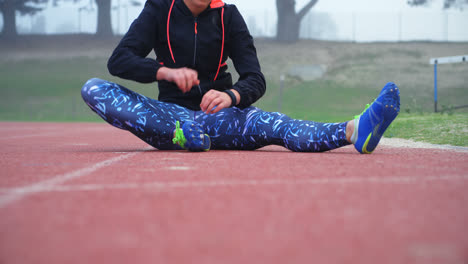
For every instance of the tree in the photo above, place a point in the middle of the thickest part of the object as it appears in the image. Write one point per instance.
(447, 3)
(289, 22)
(104, 22)
(9, 8)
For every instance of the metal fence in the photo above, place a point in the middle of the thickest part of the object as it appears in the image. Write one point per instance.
(352, 26)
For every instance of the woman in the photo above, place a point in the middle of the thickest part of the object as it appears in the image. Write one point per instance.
(192, 40)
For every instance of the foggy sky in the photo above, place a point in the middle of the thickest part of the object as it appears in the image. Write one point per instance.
(359, 20)
(341, 6)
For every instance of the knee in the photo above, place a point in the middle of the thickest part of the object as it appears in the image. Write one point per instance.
(89, 86)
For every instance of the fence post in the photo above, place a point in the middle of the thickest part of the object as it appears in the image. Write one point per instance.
(446, 27)
(354, 26)
(280, 98)
(400, 26)
(435, 86)
(79, 20)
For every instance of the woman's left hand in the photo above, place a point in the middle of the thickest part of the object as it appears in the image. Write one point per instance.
(213, 101)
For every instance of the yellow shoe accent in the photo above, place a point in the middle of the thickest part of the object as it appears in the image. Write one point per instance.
(364, 147)
(209, 146)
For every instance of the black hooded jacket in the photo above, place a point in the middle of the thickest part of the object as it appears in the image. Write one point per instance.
(181, 40)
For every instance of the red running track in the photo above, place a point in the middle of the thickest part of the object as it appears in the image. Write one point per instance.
(90, 193)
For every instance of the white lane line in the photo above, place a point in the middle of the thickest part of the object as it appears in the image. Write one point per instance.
(181, 168)
(19, 193)
(78, 144)
(164, 186)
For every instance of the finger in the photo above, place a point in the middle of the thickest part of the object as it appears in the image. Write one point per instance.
(178, 82)
(206, 101)
(192, 78)
(214, 103)
(195, 81)
(188, 81)
(183, 82)
(195, 78)
(186, 76)
(209, 99)
(225, 102)
(219, 107)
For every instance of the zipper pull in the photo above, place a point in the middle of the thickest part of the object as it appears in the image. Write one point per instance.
(199, 89)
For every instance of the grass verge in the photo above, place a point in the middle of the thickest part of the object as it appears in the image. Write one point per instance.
(436, 128)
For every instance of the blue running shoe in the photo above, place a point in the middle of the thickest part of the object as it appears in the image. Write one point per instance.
(191, 137)
(376, 118)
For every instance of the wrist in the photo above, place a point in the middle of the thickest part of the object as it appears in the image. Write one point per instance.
(161, 74)
(233, 97)
(237, 94)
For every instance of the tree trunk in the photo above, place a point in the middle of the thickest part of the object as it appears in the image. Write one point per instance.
(9, 20)
(104, 23)
(289, 22)
(287, 29)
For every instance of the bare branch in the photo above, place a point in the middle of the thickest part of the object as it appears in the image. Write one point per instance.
(306, 9)
(447, 3)
(417, 2)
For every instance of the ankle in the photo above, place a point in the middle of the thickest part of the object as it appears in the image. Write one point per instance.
(349, 130)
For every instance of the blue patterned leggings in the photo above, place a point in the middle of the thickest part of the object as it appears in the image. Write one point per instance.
(231, 128)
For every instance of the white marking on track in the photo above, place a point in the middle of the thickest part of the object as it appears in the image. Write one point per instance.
(165, 186)
(18, 193)
(78, 144)
(183, 168)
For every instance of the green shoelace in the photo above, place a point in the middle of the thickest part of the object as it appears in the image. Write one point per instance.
(367, 106)
(179, 137)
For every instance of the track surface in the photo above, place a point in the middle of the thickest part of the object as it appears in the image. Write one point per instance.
(90, 193)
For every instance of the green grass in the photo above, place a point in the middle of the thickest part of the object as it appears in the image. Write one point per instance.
(436, 128)
(38, 90)
(50, 91)
(323, 101)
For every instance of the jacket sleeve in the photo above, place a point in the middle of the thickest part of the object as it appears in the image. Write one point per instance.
(251, 85)
(129, 60)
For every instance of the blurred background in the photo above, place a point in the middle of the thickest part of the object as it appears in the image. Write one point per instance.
(334, 55)
(333, 20)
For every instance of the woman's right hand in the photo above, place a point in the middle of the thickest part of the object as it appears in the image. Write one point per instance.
(184, 78)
